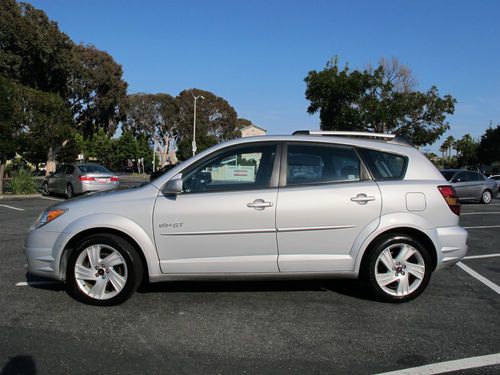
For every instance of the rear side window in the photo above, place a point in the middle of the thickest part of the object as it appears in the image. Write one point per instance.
(312, 164)
(92, 169)
(385, 165)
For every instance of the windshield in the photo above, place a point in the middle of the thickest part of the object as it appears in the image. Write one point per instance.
(447, 174)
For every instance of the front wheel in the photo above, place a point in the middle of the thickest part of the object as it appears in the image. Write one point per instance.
(104, 270)
(486, 197)
(397, 268)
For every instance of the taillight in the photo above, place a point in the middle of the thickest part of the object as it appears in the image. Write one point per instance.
(86, 178)
(450, 196)
(114, 178)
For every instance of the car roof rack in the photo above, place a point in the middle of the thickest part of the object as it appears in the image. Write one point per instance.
(399, 139)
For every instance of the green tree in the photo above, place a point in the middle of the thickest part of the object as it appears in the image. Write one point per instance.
(98, 93)
(377, 100)
(490, 146)
(34, 52)
(9, 130)
(216, 121)
(155, 116)
(467, 148)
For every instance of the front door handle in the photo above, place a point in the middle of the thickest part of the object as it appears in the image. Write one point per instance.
(362, 198)
(259, 204)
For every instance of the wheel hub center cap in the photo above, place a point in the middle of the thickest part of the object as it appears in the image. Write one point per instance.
(101, 271)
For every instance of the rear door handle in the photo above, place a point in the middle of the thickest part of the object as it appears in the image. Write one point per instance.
(259, 204)
(362, 198)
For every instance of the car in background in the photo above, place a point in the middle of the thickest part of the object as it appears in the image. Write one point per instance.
(496, 178)
(73, 179)
(471, 185)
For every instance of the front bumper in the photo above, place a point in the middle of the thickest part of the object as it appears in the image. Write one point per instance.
(43, 253)
(453, 246)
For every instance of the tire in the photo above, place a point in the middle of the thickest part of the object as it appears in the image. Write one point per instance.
(45, 189)
(69, 192)
(486, 197)
(397, 268)
(103, 270)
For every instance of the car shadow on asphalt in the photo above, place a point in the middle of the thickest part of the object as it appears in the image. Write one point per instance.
(351, 288)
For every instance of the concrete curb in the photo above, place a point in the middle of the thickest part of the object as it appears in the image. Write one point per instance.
(27, 196)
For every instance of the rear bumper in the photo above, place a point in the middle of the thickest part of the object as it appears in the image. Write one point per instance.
(453, 246)
(87, 187)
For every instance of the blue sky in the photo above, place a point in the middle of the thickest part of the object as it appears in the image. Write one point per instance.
(256, 53)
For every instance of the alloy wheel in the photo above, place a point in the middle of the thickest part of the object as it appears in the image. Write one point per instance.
(399, 269)
(101, 272)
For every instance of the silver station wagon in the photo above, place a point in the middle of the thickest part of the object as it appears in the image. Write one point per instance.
(314, 204)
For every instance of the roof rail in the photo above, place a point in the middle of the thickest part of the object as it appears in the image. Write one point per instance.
(389, 137)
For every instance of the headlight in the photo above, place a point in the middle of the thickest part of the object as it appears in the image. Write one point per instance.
(47, 216)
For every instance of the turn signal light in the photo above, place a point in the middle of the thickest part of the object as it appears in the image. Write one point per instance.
(450, 196)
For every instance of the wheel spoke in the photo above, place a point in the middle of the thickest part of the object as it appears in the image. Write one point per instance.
(99, 288)
(117, 280)
(113, 259)
(386, 278)
(387, 259)
(94, 253)
(403, 286)
(416, 270)
(405, 253)
(84, 273)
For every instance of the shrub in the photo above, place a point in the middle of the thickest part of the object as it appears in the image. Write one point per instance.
(22, 182)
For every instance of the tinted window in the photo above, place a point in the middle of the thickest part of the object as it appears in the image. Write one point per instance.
(92, 169)
(69, 169)
(474, 176)
(308, 164)
(461, 177)
(384, 165)
(245, 168)
(448, 175)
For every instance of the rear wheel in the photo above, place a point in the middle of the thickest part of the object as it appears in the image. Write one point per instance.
(69, 191)
(486, 197)
(45, 188)
(103, 270)
(398, 268)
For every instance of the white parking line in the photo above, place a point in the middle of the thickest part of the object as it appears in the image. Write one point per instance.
(483, 227)
(29, 283)
(481, 213)
(482, 256)
(477, 276)
(52, 199)
(12, 208)
(449, 366)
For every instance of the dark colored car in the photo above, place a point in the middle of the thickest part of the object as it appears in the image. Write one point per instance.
(471, 185)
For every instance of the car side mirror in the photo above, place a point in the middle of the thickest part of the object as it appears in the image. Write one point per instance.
(173, 187)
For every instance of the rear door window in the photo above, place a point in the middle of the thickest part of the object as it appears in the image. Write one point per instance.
(385, 165)
(312, 164)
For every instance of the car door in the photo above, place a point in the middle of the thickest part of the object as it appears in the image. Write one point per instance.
(223, 221)
(55, 180)
(462, 186)
(326, 199)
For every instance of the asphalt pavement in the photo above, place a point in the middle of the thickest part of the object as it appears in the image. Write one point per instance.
(250, 327)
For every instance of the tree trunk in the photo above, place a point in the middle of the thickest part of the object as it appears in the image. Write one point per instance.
(50, 166)
(2, 172)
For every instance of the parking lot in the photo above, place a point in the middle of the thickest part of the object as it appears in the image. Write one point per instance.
(250, 327)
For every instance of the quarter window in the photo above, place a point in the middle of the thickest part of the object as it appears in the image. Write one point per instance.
(308, 164)
(384, 165)
(244, 168)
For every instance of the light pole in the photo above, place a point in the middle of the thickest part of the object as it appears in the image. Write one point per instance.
(194, 120)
